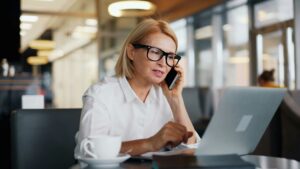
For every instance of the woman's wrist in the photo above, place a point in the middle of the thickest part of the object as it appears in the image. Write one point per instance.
(174, 99)
(176, 103)
(148, 144)
(138, 147)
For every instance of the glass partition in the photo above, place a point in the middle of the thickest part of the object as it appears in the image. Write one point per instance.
(221, 46)
(236, 52)
(75, 57)
(274, 11)
(203, 34)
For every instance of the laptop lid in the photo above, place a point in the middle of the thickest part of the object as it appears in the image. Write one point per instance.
(241, 119)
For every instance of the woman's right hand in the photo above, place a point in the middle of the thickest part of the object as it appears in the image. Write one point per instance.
(171, 134)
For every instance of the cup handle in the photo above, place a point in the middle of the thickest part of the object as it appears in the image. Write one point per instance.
(85, 148)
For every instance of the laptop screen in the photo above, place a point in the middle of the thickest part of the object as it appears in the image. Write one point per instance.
(242, 117)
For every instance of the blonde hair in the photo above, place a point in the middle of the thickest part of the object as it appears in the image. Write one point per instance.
(124, 66)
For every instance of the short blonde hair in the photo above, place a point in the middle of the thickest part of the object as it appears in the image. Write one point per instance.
(124, 66)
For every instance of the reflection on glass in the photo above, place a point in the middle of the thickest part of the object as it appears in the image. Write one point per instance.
(203, 49)
(221, 46)
(204, 62)
(232, 4)
(270, 12)
(180, 29)
(75, 58)
(236, 52)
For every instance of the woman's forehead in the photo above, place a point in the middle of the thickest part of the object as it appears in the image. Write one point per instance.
(161, 41)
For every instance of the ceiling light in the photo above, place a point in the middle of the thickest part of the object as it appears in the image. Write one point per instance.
(42, 44)
(91, 22)
(23, 33)
(204, 32)
(25, 26)
(131, 8)
(227, 27)
(45, 0)
(86, 29)
(238, 60)
(37, 60)
(84, 32)
(29, 18)
(56, 54)
(265, 16)
(44, 53)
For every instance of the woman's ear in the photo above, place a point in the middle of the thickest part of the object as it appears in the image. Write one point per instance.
(130, 51)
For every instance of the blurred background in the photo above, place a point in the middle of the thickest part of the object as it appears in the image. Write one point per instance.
(58, 48)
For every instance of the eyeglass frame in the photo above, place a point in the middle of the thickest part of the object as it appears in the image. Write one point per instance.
(148, 47)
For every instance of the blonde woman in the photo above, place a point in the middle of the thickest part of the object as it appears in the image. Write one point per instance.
(137, 103)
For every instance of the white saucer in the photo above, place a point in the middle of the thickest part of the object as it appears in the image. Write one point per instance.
(104, 163)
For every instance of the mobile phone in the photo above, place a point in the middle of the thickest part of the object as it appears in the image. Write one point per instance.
(171, 78)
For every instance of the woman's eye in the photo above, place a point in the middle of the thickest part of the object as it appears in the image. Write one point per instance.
(157, 52)
(171, 57)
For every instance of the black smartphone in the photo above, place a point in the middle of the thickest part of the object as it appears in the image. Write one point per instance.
(171, 78)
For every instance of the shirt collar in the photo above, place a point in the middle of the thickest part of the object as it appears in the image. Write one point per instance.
(127, 90)
(152, 94)
(130, 94)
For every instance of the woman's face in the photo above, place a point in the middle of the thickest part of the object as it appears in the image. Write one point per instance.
(151, 72)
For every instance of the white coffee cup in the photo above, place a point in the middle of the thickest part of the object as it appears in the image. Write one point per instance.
(101, 147)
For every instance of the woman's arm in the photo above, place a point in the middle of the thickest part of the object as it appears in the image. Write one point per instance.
(171, 134)
(136, 147)
(181, 116)
(176, 103)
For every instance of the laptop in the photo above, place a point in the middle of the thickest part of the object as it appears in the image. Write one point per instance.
(241, 119)
(239, 122)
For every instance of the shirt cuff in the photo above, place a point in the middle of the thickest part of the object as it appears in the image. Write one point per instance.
(195, 145)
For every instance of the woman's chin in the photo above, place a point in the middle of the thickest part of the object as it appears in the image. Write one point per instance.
(157, 81)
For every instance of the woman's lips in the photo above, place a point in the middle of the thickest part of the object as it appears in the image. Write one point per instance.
(158, 73)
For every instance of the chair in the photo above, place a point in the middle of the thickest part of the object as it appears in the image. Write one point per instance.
(206, 101)
(44, 138)
(194, 103)
(271, 141)
(4, 102)
(5, 141)
(295, 95)
(290, 119)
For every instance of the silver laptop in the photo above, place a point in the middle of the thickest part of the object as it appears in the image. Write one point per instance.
(241, 119)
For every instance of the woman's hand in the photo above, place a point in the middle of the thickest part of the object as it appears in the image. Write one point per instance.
(171, 134)
(176, 102)
(177, 89)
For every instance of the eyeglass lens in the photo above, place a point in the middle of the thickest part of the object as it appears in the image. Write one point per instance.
(156, 54)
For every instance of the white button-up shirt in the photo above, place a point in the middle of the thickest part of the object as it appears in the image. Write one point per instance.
(111, 107)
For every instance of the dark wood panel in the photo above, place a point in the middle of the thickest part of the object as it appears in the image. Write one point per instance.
(175, 9)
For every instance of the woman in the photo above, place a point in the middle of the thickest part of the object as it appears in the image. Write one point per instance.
(137, 103)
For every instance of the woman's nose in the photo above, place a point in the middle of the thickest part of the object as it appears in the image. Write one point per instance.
(162, 61)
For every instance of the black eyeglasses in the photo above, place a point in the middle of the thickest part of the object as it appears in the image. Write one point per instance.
(155, 54)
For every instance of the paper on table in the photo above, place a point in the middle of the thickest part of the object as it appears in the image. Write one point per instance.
(174, 151)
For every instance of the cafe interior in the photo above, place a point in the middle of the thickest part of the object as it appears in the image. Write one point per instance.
(53, 50)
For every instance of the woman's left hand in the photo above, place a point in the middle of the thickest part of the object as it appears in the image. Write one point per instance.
(177, 89)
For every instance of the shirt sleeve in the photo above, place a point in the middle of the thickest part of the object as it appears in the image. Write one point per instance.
(195, 145)
(94, 119)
